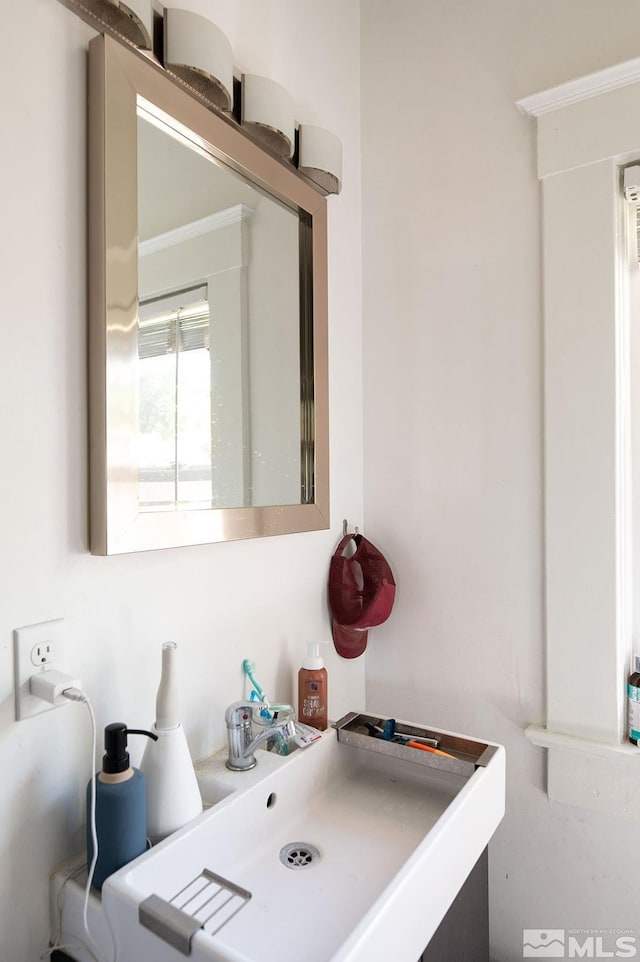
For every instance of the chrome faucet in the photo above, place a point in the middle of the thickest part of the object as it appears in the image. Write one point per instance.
(242, 745)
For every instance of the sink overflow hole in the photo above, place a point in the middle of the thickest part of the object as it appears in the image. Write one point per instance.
(297, 855)
(271, 800)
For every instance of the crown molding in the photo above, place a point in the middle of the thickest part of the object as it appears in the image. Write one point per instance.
(204, 225)
(572, 92)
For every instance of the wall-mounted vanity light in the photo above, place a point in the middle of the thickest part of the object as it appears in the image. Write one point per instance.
(268, 114)
(197, 52)
(320, 157)
(133, 20)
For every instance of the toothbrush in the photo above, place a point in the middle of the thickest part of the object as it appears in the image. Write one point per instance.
(389, 734)
(427, 748)
(265, 711)
(249, 667)
(305, 734)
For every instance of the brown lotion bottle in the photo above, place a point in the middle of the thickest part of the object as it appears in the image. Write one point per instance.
(312, 689)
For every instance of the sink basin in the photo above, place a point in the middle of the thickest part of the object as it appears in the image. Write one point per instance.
(350, 850)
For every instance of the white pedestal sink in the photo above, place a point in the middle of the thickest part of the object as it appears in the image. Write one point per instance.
(336, 853)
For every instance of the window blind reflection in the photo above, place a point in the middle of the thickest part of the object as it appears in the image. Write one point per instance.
(174, 402)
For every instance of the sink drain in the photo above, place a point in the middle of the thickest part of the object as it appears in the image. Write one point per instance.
(297, 855)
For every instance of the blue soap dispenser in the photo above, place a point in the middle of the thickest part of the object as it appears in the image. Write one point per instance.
(121, 806)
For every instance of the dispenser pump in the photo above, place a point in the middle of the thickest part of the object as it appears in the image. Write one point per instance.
(313, 659)
(116, 756)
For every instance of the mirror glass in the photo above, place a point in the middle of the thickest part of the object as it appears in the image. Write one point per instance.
(218, 333)
(208, 322)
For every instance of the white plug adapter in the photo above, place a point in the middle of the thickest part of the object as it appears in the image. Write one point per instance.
(50, 684)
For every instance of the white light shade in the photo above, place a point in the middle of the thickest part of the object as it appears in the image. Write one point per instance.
(133, 19)
(199, 53)
(268, 114)
(320, 157)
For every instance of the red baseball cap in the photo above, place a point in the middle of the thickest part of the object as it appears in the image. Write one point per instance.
(361, 594)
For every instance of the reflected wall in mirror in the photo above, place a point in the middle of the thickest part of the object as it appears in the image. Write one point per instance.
(208, 337)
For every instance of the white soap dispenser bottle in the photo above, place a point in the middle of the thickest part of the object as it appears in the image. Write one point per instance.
(173, 796)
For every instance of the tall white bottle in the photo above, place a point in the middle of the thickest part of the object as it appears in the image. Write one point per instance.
(173, 797)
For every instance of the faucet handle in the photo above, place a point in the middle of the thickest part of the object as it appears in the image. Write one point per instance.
(239, 714)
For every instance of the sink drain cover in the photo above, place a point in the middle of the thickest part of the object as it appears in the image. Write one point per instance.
(297, 855)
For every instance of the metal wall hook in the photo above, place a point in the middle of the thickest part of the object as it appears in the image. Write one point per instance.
(345, 529)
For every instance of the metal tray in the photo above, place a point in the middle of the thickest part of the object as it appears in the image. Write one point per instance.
(358, 729)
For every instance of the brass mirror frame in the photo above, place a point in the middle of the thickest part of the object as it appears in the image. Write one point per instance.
(118, 80)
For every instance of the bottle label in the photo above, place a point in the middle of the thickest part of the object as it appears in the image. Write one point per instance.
(313, 705)
(633, 712)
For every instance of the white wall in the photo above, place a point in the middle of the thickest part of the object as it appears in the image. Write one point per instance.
(453, 427)
(261, 599)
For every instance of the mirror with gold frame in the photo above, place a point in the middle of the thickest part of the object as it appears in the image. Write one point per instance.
(208, 322)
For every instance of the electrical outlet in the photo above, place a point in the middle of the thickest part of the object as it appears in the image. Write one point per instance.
(43, 654)
(35, 648)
